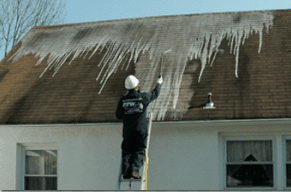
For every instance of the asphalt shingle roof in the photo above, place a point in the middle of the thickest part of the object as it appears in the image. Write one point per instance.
(249, 76)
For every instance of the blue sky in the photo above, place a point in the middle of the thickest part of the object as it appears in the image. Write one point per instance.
(79, 11)
(96, 10)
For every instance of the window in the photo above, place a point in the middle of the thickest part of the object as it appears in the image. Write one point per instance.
(249, 163)
(288, 162)
(40, 168)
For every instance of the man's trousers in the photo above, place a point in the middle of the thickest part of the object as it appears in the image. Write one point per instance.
(133, 149)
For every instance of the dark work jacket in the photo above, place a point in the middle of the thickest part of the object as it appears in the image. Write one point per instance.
(137, 120)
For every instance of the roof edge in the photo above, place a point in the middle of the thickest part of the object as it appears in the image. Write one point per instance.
(150, 17)
(163, 122)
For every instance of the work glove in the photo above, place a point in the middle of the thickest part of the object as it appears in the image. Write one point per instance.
(160, 80)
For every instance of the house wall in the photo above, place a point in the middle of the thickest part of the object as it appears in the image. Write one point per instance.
(183, 160)
(186, 156)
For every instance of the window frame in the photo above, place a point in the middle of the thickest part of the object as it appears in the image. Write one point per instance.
(285, 161)
(40, 146)
(248, 138)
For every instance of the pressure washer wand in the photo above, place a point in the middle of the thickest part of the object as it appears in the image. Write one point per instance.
(161, 66)
(161, 70)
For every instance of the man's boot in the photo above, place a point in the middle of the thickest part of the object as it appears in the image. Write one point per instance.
(135, 175)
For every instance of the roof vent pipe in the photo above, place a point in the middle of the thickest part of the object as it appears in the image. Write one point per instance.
(210, 104)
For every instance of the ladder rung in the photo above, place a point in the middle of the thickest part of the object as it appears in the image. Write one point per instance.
(132, 180)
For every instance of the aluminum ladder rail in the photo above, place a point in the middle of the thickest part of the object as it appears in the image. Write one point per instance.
(144, 178)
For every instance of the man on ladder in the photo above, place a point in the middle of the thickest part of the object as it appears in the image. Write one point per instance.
(132, 109)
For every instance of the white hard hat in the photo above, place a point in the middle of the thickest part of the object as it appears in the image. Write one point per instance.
(131, 82)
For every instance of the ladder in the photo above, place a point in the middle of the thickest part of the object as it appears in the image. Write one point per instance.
(144, 177)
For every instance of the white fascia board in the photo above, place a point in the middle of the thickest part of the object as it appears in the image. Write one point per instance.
(197, 123)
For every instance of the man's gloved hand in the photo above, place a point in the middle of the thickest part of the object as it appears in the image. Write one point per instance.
(160, 80)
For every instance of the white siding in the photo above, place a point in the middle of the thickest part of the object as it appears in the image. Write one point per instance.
(183, 160)
(185, 156)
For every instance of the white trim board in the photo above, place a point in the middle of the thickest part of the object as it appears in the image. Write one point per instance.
(280, 120)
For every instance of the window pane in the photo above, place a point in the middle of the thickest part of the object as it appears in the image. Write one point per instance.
(41, 162)
(40, 183)
(249, 151)
(288, 148)
(249, 175)
(288, 167)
